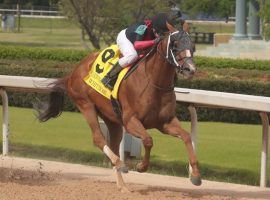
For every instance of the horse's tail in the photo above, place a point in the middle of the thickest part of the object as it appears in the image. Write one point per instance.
(54, 106)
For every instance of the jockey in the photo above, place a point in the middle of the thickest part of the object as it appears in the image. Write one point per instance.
(138, 37)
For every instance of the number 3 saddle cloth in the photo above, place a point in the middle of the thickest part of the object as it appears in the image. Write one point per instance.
(102, 65)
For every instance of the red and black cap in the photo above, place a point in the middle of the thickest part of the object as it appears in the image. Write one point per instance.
(159, 22)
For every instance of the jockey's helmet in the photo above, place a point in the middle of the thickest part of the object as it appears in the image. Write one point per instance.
(159, 22)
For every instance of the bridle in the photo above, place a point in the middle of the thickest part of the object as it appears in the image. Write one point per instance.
(170, 57)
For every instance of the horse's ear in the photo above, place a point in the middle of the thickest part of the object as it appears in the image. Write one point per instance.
(185, 27)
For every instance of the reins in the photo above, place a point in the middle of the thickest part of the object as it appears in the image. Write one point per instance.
(150, 52)
(140, 61)
(163, 89)
(166, 58)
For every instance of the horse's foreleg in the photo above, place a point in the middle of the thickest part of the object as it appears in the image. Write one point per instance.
(135, 127)
(173, 128)
(89, 112)
(116, 133)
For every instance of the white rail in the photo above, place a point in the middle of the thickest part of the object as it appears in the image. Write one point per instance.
(31, 12)
(204, 98)
(49, 14)
(196, 98)
(18, 83)
(25, 83)
(223, 99)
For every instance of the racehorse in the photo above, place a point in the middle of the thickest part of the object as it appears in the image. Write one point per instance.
(146, 97)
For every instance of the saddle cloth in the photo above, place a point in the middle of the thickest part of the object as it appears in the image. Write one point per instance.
(102, 65)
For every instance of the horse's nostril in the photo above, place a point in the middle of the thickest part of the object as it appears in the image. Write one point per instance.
(190, 68)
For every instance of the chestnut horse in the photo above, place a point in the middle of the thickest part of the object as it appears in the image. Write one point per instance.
(146, 97)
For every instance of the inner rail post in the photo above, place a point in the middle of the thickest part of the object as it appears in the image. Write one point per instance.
(5, 126)
(122, 146)
(264, 151)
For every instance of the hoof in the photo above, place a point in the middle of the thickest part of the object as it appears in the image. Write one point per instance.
(122, 169)
(124, 190)
(141, 167)
(196, 180)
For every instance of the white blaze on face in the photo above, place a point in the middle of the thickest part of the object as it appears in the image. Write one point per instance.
(188, 54)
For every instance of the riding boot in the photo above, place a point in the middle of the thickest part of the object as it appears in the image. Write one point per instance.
(111, 77)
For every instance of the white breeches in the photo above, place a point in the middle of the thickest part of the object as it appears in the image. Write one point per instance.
(127, 49)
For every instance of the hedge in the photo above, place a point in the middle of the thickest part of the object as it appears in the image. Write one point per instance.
(34, 71)
(19, 52)
(224, 115)
(207, 62)
(204, 114)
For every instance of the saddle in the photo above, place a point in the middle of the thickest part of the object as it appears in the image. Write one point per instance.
(102, 65)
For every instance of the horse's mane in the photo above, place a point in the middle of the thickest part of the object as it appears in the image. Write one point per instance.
(148, 53)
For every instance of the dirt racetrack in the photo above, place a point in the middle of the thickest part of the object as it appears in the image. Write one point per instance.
(28, 179)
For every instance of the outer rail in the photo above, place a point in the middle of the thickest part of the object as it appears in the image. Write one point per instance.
(196, 98)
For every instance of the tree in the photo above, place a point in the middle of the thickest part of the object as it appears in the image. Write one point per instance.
(216, 8)
(265, 17)
(103, 19)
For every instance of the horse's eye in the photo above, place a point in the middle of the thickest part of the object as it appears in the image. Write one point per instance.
(175, 44)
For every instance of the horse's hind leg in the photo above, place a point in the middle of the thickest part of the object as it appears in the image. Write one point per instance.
(173, 128)
(89, 112)
(116, 133)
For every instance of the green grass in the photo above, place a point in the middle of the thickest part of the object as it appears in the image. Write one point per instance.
(43, 23)
(227, 152)
(64, 33)
(40, 37)
(53, 33)
(233, 74)
(212, 27)
(69, 131)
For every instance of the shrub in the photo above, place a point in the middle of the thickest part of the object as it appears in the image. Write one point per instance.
(18, 52)
(207, 62)
(224, 115)
(205, 114)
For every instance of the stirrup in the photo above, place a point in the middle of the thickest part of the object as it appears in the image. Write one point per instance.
(109, 82)
(105, 80)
